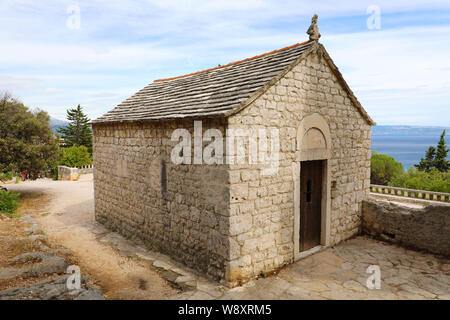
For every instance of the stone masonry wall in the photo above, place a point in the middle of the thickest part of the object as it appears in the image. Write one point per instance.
(424, 228)
(229, 221)
(262, 207)
(180, 210)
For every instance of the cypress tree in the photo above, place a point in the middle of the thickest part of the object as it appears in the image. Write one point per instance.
(440, 161)
(427, 163)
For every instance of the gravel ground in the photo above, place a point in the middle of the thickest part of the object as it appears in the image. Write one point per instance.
(68, 219)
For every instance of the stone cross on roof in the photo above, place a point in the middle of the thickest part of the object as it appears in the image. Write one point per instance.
(313, 30)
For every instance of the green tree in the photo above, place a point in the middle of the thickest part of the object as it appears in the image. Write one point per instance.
(78, 131)
(440, 161)
(26, 138)
(384, 168)
(428, 163)
(5, 176)
(435, 157)
(76, 156)
(433, 180)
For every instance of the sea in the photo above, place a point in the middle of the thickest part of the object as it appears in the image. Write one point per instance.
(407, 144)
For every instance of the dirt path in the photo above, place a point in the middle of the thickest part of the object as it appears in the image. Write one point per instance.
(68, 219)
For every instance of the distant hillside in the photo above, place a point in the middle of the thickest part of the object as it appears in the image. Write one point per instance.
(55, 123)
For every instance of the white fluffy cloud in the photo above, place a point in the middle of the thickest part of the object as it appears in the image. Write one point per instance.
(400, 76)
(400, 73)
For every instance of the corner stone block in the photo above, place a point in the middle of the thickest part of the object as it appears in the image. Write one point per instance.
(240, 224)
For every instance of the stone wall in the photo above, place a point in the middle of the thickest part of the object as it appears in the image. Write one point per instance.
(67, 173)
(181, 210)
(423, 228)
(73, 174)
(262, 207)
(86, 169)
(230, 221)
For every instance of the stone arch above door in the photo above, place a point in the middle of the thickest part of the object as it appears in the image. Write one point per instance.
(313, 139)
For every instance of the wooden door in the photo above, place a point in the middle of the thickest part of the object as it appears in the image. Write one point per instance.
(310, 203)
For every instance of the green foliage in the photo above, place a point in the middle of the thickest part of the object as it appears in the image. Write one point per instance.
(26, 138)
(54, 173)
(8, 202)
(384, 169)
(433, 180)
(78, 131)
(427, 163)
(6, 176)
(76, 156)
(435, 157)
(440, 161)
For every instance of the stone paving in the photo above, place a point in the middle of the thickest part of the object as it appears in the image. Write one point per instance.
(335, 273)
(340, 273)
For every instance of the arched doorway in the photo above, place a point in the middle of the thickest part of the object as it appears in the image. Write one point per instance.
(312, 198)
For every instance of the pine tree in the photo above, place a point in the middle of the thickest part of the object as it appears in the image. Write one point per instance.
(440, 162)
(428, 163)
(78, 131)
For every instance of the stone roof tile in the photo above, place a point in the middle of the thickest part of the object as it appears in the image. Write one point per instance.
(210, 93)
(217, 92)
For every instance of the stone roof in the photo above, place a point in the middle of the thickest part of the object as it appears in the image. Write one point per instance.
(216, 92)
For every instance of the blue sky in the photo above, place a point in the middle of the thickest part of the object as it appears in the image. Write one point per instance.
(400, 72)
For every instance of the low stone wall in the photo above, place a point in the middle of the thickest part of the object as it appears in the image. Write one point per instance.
(423, 228)
(410, 193)
(72, 174)
(86, 169)
(67, 173)
(406, 201)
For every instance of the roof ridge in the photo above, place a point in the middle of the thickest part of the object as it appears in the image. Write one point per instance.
(233, 63)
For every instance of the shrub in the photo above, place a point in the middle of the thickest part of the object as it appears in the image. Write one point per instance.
(6, 176)
(434, 180)
(76, 156)
(8, 202)
(54, 173)
(384, 169)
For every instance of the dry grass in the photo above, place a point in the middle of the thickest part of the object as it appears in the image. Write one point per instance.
(14, 241)
(32, 203)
